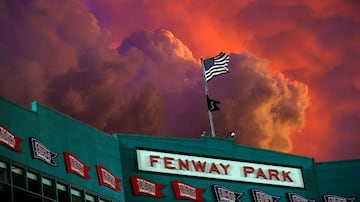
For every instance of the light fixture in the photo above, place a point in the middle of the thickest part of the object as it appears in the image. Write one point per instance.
(231, 134)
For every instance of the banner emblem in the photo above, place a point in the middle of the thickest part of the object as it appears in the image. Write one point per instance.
(41, 152)
(145, 187)
(335, 198)
(107, 179)
(260, 196)
(9, 140)
(224, 194)
(186, 191)
(297, 198)
(74, 165)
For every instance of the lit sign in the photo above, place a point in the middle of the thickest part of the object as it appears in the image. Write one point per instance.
(297, 198)
(74, 165)
(145, 187)
(260, 196)
(197, 166)
(9, 140)
(186, 191)
(224, 194)
(334, 198)
(40, 151)
(107, 179)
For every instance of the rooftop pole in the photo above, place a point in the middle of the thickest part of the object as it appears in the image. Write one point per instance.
(207, 95)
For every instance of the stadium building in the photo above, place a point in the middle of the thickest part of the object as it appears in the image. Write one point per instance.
(48, 156)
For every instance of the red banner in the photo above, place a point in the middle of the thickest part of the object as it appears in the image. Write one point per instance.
(10, 140)
(186, 191)
(108, 179)
(142, 186)
(74, 165)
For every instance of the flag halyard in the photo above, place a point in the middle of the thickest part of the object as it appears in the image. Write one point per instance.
(216, 65)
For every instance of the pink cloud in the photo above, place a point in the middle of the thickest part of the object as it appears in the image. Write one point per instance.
(293, 82)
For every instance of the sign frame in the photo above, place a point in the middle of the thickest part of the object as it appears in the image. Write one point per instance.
(165, 162)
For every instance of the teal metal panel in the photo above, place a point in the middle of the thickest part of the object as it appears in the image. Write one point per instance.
(22, 123)
(339, 177)
(216, 148)
(61, 133)
(117, 153)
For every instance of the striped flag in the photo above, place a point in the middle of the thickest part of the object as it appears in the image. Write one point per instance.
(216, 65)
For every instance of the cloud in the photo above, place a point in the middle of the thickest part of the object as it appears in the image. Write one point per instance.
(262, 107)
(58, 54)
(151, 84)
(127, 93)
(40, 41)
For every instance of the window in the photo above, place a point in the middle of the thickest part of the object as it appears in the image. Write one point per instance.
(103, 200)
(76, 195)
(5, 192)
(33, 182)
(21, 196)
(18, 183)
(89, 198)
(18, 176)
(62, 192)
(48, 187)
(3, 171)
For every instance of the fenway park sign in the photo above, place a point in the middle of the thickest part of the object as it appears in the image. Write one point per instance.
(197, 166)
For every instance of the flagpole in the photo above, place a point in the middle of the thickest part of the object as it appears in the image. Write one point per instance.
(207, 94)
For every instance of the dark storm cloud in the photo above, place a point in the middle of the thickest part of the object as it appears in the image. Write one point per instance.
(56, 53)
(41, 40)
(304, 39)
(262, 107)
(112, 98)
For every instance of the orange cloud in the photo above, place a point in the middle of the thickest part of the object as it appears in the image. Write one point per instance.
(309, 41)
(292, 53)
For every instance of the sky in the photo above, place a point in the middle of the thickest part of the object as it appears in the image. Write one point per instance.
(134, 67)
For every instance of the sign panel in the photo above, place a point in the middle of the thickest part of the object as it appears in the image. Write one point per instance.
(186, 191)
(145, 187)
(260, 196)
(107, 178)
(224, 194)
(197, 166)
(40, 151)
(335, 198)
(74, 165)
(297, 198)
(9, 140)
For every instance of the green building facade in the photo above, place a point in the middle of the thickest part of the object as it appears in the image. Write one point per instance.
(48, 156)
